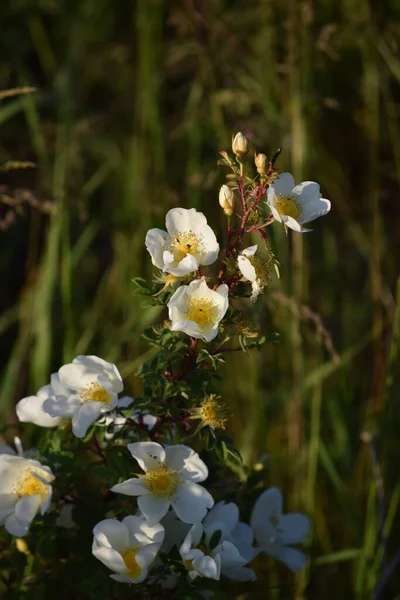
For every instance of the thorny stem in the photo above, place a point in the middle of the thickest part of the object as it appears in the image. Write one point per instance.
(97, 450)
(190, 359)
(187, 363)
(259, 227)
(235, 236)
(233, 280)
(263, 234)
(241, 189)
(154, 433)
(140, 427)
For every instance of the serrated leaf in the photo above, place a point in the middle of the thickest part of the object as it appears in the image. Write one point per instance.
(235, 454)
(224, 450)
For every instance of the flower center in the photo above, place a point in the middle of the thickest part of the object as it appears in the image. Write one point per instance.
(213, 413)
(188, 564)
(262, 267)
(162, 481)
(185, 243)
(287, 205)
(29, 485)
(129, 557)
(201, 311)
(95, 393)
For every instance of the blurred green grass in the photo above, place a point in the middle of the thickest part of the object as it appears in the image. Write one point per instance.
(133, 102)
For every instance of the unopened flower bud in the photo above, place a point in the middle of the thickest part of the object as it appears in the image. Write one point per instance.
(261, 163)
(240, 145)
(227, 199)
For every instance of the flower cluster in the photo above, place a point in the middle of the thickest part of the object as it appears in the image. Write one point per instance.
(170, 511)
(214, 541)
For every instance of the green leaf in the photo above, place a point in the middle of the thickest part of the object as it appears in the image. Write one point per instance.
(89, 434)
(142, 286)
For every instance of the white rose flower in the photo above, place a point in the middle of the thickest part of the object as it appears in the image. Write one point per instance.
(171, 478)
(91, 388)
(30, 409)
(295, 205)
(226, 558)
(189, 243)
(197, 558)
(274, 531)
(225, 517)
(255, 269)
(24, 490)
(197, 310)
(128, 547)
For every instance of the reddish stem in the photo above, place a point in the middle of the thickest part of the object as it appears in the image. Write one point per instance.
(187, 363)
(235, 236)
(258, 227)
(164, 420)
(98, 450)
(242, 194)
(140, 427)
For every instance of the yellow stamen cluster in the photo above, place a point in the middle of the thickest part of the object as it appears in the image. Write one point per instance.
(287, 205)
(188, 564)
(246, 327)
(202, 311)
(185, 243)
(129, 557)
(212, 413)
(168, 280)
(29, 485)
(262, 266)
(162, 481)
(95, 393)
